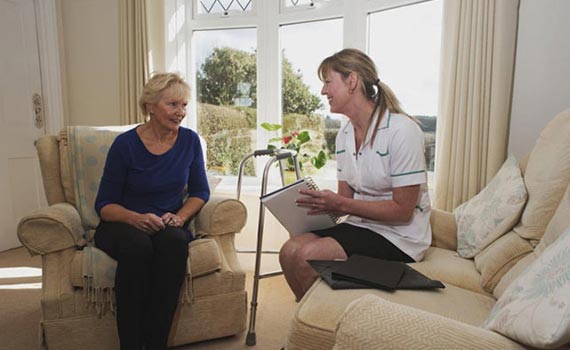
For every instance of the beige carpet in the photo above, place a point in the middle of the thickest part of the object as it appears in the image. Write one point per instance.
(20, 283)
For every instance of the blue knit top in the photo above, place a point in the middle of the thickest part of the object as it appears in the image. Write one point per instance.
(147, 183)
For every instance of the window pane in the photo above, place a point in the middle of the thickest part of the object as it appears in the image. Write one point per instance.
(304, 46)
(405, 44)
(226, 93)
(293, 3)
(223, 6)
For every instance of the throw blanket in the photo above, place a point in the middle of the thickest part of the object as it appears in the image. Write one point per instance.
(88, 148)
(99, 280)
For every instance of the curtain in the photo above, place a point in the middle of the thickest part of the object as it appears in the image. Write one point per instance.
(133, 53)
(477, 64)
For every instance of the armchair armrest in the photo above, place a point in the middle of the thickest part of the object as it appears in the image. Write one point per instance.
(220, 215)
(443, 229)
(371, 322)
(51, 229)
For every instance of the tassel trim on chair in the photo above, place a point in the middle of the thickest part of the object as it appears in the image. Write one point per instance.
(101, 298)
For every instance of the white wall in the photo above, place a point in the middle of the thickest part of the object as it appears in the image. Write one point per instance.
(542, 70)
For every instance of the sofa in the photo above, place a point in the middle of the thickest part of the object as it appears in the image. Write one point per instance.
(213, 302)
(463, 315)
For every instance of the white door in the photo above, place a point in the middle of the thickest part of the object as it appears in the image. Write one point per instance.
(20, 180)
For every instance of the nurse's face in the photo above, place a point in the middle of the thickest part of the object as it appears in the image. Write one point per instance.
(336, 88)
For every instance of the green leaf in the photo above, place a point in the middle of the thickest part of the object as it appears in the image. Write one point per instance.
(304, 136)
(319, 160)
(270, 127)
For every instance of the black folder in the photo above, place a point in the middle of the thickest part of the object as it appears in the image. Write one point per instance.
(410, 279)
(382, 274)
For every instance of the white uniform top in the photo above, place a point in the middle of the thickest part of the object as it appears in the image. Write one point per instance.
(396, 159)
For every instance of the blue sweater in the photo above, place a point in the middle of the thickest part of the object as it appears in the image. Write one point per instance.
(146, 183)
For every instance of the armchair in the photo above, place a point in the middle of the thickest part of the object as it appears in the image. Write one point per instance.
(215, 303)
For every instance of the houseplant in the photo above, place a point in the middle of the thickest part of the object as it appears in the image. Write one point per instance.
(309, 154)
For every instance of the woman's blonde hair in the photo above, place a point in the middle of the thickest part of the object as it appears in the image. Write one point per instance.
(355, 61)
(160, 83)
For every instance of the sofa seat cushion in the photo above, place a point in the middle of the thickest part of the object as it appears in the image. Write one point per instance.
(446, 265)
(314, 323)
(203, 258)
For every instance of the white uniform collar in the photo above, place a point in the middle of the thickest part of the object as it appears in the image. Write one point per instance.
(383, 124)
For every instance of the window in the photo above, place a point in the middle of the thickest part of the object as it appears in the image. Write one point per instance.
(223, 7)
(303, 106)
(226, 80)
(284, 41)
(405, 44)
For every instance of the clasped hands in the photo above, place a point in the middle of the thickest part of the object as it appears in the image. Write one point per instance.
(151, 223)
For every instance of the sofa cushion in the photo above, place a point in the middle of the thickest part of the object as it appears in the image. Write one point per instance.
(318, 313)
(203, 259)
(546, 176)
(446, 266)
(557, 224)
(534, 309)
(492, 212)
(495, 260)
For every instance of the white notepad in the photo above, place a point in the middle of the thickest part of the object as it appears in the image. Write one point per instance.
(281, 203)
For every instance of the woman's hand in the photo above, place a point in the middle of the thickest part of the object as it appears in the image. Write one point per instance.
(170, 219)
(321, 202)
(149, 223)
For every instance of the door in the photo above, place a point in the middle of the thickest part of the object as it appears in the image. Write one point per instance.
(21, 120)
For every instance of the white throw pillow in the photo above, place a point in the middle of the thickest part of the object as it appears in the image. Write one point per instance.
(535, 308)
(492, 212)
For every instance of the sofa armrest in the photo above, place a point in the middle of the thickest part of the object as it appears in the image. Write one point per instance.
(47, 230)
(220, 215)
(443, 229)
(371, 322)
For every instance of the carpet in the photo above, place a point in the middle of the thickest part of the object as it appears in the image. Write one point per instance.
(20, 290)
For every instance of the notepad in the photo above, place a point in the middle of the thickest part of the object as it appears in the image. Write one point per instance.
(281, 203)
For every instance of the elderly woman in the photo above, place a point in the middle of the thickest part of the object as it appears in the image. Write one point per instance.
(154, 181)
(381, 177)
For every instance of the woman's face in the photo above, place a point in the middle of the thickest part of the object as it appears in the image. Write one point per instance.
(170, 110)
(336, 88)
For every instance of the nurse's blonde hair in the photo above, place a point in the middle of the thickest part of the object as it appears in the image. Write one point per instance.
(355, 61)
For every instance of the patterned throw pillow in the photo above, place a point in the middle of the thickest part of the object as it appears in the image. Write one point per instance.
(535, 308)
(492, 212)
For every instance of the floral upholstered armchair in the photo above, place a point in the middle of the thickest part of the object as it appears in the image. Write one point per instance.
(77, 300)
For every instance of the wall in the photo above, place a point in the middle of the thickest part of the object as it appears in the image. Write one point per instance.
(542, 70)
(90, 40)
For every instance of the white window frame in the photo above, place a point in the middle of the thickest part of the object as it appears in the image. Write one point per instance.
(267, 16)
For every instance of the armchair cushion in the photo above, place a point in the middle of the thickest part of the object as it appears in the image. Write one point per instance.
(51, 229)
(534, 309)
(492, 212)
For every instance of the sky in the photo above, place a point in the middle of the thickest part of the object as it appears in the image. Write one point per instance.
(404, 43)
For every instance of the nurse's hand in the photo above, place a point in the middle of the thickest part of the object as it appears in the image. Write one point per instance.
(321, 202)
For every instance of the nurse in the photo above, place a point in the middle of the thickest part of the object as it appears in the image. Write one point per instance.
(382, 178)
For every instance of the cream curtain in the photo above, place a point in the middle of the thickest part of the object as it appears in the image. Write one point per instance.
(134, 65)
(477, 64)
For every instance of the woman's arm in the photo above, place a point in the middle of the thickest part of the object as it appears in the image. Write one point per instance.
(399, 209)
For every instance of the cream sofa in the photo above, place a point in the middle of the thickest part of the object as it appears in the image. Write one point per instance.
(217, 305)
(449, 318)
